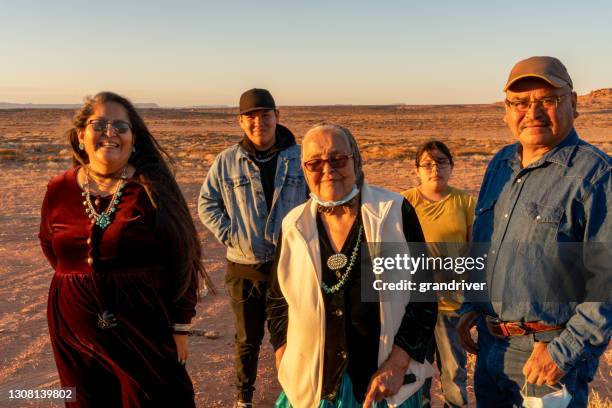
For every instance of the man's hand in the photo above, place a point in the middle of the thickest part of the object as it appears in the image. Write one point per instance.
(181, 347)
(540, 369)
(278, 355)
(389, 378)
(465, 324)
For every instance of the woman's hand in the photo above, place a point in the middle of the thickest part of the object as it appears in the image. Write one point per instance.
(389, 378)
(278, 355)
(181, 347)
(465, 324)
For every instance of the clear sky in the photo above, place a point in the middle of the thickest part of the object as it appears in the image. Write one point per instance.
(179, 53)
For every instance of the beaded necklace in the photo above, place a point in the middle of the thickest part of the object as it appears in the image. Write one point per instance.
(103, 219)
(344, 277)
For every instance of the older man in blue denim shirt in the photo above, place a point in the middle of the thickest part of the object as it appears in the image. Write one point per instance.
(544, 210)
(248, 190)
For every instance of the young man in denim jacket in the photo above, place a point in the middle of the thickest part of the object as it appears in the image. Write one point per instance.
(248, 190)
(545, 210)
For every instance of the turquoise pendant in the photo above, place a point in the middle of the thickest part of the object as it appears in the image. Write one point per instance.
(103, 220)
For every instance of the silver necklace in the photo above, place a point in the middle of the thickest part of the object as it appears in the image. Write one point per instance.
(264, 159)
(103, 219)
(343, 278)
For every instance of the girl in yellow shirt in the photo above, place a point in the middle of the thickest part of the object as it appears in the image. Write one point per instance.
(446, 215)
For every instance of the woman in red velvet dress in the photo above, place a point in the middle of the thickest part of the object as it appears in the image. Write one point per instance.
(126, 255)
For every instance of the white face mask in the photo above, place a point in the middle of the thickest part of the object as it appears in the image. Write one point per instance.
(343, 200)
(557, 399)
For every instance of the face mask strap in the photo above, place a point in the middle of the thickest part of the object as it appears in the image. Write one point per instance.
(343, 200)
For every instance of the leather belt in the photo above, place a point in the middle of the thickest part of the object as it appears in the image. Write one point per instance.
(502, 330)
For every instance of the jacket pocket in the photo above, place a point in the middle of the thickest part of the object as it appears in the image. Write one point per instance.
(541, 223)
(236, 182)
(239, 204)
(293, 192)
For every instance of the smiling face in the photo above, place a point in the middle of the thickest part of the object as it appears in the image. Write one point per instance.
(260, 127)
(108, 150)
(434, 169)
(329, 184)
(540, 127)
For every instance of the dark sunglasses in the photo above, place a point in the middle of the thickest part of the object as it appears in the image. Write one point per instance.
(100, 125)
(336, 162)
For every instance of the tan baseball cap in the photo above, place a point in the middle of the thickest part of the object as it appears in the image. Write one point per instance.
(549, 69)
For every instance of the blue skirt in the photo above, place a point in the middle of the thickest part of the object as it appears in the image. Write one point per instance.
(346, 399)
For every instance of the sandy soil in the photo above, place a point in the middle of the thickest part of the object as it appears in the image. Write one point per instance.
(33, 149)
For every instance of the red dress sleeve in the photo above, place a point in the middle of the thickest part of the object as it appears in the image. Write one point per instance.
(45, 234)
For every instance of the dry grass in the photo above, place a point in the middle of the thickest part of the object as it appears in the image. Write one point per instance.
(596, 401)
(33, 148)
(601, 398)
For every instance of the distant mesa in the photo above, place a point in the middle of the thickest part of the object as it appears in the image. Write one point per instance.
(599, 93)
(147, 105)
(207, 107)
(598, 98)
(7, 105)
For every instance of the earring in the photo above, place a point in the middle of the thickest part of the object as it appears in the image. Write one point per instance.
(81, 146)
(133, 149)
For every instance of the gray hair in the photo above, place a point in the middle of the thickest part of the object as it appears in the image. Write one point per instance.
(348, 136)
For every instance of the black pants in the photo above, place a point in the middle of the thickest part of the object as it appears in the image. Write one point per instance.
(248, 300)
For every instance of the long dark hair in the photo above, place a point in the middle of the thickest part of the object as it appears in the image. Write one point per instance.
(153, 171)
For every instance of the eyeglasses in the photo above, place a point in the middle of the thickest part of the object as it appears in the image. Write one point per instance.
(336, 162)
(99, 125)
(440, 164)
(523, 105)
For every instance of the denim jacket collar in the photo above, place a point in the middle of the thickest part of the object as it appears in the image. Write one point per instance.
(285, 154)
(560, 154)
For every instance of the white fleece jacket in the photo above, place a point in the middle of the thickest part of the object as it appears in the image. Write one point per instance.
(299, 274)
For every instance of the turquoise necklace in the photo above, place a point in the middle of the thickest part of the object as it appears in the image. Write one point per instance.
(344, 277)
(103, 219)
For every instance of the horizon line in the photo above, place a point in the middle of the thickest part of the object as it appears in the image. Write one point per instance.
(155, 105)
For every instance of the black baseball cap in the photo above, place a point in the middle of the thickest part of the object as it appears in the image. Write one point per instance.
(255, 99)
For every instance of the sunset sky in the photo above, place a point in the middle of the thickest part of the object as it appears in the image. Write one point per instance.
(183, 53)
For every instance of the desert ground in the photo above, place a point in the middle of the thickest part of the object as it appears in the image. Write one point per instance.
(33, 148)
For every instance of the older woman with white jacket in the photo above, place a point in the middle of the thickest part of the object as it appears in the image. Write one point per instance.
(332, 348)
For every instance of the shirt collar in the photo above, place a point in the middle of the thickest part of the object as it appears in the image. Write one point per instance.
(560, 154)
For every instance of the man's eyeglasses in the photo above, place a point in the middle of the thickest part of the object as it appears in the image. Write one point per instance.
(440, 164)
(336, 162)
(523, 105)
(100, 125)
